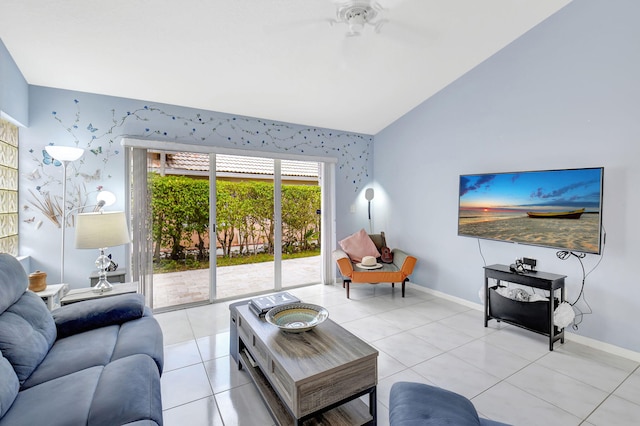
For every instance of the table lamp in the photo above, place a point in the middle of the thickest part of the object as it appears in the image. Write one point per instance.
(100, 230)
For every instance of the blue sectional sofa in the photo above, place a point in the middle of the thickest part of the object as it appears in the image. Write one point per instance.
(96, 362)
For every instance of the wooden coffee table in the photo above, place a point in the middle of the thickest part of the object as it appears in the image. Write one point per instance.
(310, 378)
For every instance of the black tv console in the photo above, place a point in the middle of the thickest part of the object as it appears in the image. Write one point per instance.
(533, 316)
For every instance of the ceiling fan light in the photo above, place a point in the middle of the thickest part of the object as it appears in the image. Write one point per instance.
(356, 14)
(356, 26)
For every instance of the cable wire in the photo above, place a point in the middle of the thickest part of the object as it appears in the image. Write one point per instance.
(564, 255)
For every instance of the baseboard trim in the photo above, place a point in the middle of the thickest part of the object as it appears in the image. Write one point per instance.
(587, 341)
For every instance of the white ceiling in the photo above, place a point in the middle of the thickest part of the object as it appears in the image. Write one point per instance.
(273, 59)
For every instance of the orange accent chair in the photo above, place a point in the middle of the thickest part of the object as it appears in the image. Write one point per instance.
(396, 272)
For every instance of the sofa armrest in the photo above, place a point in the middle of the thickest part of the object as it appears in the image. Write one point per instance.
(91, 314)
(404, 261)
(344, 263)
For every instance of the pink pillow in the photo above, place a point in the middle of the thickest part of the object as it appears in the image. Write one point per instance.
(359, 245)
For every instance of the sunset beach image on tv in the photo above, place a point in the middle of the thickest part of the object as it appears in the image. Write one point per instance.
(560, 209)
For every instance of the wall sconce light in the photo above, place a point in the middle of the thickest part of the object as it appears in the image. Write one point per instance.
(368, 194)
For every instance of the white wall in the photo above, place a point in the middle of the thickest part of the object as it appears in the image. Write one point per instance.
(564, 95)
(14, 91)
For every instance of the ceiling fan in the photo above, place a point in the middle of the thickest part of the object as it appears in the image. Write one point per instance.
(358, 14)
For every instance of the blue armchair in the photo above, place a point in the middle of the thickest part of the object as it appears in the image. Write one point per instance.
(413, 404)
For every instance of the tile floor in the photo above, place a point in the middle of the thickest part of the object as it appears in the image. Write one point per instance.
(508, 373)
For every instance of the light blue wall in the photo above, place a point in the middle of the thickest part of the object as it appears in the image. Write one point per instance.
(97, 123)
(564, 95)
(14, 91)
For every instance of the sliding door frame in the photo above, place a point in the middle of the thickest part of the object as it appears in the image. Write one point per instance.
(326, 180)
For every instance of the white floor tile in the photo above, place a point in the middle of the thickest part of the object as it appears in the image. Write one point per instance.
(522, 343)
(589, 366)
(470, 322)
(371, 328)
(449, 372)
(441, 336)
(508, 372)
(243, 406)
(175, 327)
(558, 389)
(630, 388)
(510, 404)
(184, 385)
(202, 412)
(212, 347)
(616, 411)
(224, 374)
(405, 319)
(490, 358)
(407, 349)
(181, 355)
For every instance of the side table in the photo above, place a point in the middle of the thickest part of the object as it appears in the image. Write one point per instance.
(53, 294)
(525, 314)
(80, 294)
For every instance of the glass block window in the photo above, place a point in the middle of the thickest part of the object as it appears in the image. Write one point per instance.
(8, 188)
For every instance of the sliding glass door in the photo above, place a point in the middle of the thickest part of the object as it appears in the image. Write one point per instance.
(213, 226)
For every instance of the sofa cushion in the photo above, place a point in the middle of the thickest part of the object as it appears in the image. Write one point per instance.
(128, 391)
(9, 385)
(13, 281)
(141, 336)
(27, 332)
(359, 245)
(90, 314)
(418, 404)
(60, 402)
(75, 353)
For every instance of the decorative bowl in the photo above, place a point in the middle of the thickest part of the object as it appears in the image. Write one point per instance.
(296, 317)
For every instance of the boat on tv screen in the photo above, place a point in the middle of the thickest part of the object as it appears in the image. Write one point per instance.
(561, 209)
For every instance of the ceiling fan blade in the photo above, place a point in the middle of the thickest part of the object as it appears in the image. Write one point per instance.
(406, 33)
(389, 4)
(304, 24)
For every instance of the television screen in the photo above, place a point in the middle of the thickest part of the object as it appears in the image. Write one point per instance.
(561, 209)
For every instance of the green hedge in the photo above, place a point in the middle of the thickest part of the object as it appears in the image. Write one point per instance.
(180, 207)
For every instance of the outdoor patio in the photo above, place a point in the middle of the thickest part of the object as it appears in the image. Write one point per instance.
(181, 288)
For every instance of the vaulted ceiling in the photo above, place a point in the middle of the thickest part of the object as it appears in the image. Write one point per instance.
(282, 60)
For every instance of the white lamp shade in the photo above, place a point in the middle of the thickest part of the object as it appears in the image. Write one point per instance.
(101, 230)
(64, 153)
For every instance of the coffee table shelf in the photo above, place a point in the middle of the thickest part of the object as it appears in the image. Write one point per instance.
(310, 378)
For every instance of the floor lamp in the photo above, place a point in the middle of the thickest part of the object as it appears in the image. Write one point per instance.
(65, 155)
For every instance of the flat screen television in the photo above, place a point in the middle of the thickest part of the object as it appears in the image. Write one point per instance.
(560, 209)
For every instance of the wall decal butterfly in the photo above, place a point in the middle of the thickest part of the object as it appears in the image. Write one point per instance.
(89, 178)
(34, 175)
(31, 220)
(97, 150)
(91, 128)
(47, 159)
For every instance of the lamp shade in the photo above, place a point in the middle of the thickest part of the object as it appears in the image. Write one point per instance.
(64, 153)
(101, 230)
